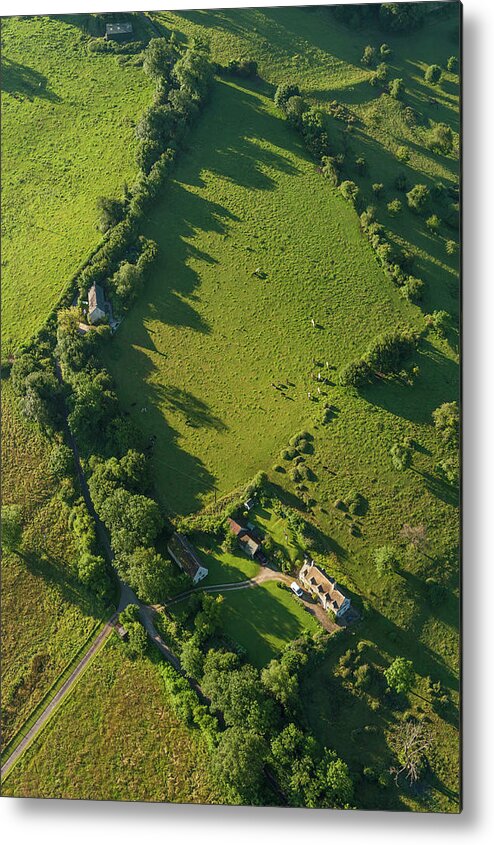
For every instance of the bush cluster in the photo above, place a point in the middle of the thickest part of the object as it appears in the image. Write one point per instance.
(383, 357)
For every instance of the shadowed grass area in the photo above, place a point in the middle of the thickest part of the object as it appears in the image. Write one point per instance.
(264, 619)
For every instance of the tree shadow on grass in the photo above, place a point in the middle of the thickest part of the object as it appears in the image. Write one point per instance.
(51, 572)
(437, 383)
(180, 478)
(18, 79)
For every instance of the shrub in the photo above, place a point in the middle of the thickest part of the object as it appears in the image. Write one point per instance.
(283, 94)
(401, 456)
(413, 289)
(378, 189)
(451, 247)
(394, 208)
(433, 223)
(385, 51)
(396, 89)
(349, 190)
(439, 321)
(418, 198)
(385, 559)
(361, 165)
(440, 138)
(61, 462)
(433, 74)
(452, 64)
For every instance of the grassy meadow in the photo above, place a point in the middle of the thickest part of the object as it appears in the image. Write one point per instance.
(46, 616)
(68, 116)
(144, 752)
(196, 359)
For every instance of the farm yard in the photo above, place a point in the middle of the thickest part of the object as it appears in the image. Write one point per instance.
(288, 358)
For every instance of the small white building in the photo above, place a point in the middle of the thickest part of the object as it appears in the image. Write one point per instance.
(96, 301)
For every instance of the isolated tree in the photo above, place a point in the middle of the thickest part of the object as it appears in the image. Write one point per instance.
(394, 208)
(451, 247)
(385, 51)
(433, 74)
(385, 559)
(433, 223)
(418, 198)
(400, 675)
(416, 535)
(452, 64)
(368, 56)
(378, 189)
(447, 422)
(410, 741)
(11, 527)
(238, 764)
(401, 456)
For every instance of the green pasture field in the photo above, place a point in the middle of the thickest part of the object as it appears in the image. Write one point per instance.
(224, 567)
(120, 709)
(196, 359)
(46, 616)
(67, 138)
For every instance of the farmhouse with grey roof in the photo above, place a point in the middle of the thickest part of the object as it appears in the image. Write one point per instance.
(96, 300)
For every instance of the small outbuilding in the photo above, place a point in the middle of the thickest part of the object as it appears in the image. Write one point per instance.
(185, 556)
(118, 31)
(96, 300)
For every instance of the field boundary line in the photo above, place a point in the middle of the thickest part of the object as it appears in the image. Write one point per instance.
(38, 713)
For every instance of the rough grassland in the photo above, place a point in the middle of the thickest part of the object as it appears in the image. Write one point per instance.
(45, 615)
(196, 359)
(67, 138)
(116, 738)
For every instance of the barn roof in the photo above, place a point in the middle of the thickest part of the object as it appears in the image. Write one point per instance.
(96, 298)
(184, 553)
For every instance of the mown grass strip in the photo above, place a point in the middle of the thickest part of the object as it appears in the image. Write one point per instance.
(49, 695)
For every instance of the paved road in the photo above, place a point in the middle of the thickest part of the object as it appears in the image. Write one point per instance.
(59, 696)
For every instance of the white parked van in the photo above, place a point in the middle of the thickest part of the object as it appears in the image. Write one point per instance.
(294, 587)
